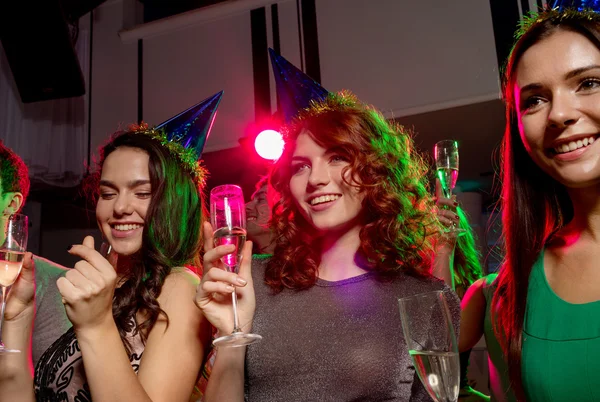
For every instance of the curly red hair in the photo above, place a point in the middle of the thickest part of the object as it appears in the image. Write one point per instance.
(398, 209)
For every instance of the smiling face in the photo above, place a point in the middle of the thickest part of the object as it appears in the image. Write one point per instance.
(557, 98)
(325, 201)
(125, 194)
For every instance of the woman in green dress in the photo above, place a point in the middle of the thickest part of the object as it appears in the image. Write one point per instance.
(547, 302)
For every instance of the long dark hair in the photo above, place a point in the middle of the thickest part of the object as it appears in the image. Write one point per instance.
(398, 222)
(171, 234)
(534, 206)
(467, 257)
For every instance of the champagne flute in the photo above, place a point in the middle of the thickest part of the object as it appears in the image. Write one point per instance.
(12, 252)
(431, 342)
(446, 163)
(228, 219)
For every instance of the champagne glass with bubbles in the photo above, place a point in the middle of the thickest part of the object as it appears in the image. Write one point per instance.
(431, 341)
(446, 170)
(13, 244)
(228, 219)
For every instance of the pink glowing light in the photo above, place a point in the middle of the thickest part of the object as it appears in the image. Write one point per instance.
(269, 144)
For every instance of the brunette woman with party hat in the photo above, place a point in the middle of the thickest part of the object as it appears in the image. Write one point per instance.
(136, 334)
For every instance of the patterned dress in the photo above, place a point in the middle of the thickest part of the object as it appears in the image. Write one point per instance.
(60, 374)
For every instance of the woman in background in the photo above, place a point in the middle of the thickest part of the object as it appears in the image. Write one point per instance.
(464, 269)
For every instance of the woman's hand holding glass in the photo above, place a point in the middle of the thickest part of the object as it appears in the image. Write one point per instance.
(21, 297)
(88, 289)
(446, 212)
(213, 295)
(13, 250)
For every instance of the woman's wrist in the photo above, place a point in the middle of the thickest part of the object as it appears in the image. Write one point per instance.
(96, 333)
(23, 319)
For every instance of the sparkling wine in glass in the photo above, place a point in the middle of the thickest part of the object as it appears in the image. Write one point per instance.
(13, 239)
(228, 219)
(431, 341)
(446, 170)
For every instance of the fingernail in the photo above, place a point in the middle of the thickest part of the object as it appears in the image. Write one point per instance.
(230, 289)
(455, 217)
(69, 248)
(240, 280)
(455, 203)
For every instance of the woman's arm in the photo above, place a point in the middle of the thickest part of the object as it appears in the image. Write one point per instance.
(445, 243)
(443, 261)
(173, 353)
(472, 316)
(16, 377)
(172, 356)
(213, 297)
(226, 382)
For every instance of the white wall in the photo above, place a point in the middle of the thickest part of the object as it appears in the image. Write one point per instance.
(405, 57)
(402, 55)
(114, 74)
(188, 65)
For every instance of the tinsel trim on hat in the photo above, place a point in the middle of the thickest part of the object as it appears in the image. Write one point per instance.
(556, 16)
(186, 156)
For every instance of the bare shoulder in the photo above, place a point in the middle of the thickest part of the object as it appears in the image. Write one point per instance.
(179, 285)
(479, 284)
(476, 288)
(182, 274)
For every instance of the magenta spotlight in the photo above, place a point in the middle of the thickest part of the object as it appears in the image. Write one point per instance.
(269, 144)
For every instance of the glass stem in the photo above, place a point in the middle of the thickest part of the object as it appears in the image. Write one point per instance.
(236, 323)
(4, 292)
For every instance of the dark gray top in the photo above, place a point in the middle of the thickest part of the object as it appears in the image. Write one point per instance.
(337, 341)
(51, 320)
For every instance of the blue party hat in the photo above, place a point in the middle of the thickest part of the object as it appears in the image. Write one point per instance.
(294, 88)
(191, 127)
(579, 5)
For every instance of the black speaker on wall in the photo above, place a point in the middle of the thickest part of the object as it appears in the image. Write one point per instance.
(38, 38)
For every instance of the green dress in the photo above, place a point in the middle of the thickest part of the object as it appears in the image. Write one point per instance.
(561, 345)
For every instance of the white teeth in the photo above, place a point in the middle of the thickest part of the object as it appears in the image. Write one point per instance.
(127, 227)
(323, 198)
(573, 145)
